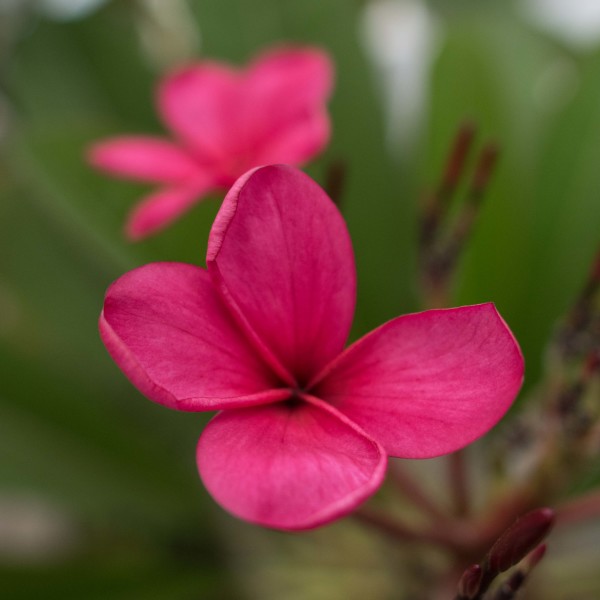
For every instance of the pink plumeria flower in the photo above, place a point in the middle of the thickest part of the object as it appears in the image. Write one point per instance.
(306, 426)
(224, 121)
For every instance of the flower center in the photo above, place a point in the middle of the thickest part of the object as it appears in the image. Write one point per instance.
(294, 401)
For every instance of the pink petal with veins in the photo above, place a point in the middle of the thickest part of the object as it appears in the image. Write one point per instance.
(280, 253)
(429, 383)
(289, 465)
(169, 332)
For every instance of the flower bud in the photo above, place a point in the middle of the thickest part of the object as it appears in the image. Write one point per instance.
(519, 540)
(468, 586)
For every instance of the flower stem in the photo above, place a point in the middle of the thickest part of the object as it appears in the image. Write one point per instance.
(457, 468)
(580, 509)
(443, 536)
(414, 492)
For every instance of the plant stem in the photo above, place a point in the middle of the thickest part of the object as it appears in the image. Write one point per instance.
(457, 467)
(579, 509)
(414, 492)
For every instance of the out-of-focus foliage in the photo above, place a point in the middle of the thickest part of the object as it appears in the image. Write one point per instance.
(74, 434)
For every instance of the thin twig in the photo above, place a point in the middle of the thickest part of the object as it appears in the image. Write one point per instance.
(459, 487)
(436, 204)
(441, 244)
(399, 531)
(579, 509)
(413, 491)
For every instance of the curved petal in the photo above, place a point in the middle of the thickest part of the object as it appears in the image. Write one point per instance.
(160, 209)
(169, 332)
(302, 75)
(285, 91)
(429, 383)
(280, 253)
(299, 141)
(143, 158)
(291, 465)
(200, 103)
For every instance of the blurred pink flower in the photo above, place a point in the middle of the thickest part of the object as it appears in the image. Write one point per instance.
(225, 121)
(306, 426)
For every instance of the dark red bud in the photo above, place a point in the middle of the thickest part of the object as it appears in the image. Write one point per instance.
(520, 539)
(592, 363)
(595, 274)
(485, 167)
(534, 557)
(456, 161)
(468, 586)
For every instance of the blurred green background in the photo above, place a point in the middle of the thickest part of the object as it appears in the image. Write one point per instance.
(99, 496)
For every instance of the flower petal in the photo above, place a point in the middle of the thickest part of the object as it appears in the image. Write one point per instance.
(429, 383)
(143, 158)
(298, 141)
(308, 66)
(288, 465)
(284, 81)
(160, 209)
(200, 104)
(169, 332)
(284, 100)
(280, 253)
